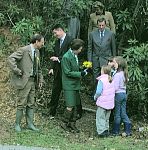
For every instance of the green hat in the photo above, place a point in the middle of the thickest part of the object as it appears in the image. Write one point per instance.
(98, 4)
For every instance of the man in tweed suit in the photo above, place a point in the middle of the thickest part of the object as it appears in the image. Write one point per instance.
(101, 45)
(26, 74)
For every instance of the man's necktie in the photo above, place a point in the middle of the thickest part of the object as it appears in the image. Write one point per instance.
(34, 63)
(101, 35)
(61, 42)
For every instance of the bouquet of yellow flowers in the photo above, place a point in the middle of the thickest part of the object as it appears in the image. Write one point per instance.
(87, 64)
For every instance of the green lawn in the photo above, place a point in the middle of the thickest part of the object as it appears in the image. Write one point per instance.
(52, 136)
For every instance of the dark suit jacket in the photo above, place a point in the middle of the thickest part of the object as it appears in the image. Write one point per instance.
(101, 50)
(59, 52)
(21, 60)
(70, 72)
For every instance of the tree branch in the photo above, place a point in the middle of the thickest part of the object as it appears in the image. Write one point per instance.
(10, 20)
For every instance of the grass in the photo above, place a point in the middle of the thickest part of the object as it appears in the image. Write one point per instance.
(52, 136)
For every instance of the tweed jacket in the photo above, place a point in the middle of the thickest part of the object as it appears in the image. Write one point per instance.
(70, 72)
(109, 21)
(22, 61)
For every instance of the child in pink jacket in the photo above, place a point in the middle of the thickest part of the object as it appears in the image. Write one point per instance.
(104, 97)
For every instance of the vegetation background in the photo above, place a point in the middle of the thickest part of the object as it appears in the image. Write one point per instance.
(20, 19)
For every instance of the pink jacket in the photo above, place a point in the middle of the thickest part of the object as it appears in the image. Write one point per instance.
(106, 99)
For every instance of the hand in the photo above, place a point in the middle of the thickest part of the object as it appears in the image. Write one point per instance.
(50, 72)
(18, 72)
(53, 58)
(89, 70)
(84, 73)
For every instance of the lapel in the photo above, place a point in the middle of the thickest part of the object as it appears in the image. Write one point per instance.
(105, 33)
(73, 59)
(63, 44)
(97, 37)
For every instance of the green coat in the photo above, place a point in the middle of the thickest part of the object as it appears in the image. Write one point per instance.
(70, 72)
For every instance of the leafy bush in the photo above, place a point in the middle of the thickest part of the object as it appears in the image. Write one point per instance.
(27, 27)
(4, 45)
(124, 20)
(137, 58)
(2, 19)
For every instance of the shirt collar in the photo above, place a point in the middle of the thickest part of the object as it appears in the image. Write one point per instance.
(32, 47)
(72, 52)
(63, 37)
(102, 31)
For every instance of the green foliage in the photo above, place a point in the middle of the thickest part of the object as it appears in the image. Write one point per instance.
(2, 19)
(4, 44)
(27, 27)
(53, 137)
(14, 13)
(137, 58)
(124, 20)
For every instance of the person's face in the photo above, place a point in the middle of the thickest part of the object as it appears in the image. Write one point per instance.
(101, 25)
(40, 43)
(78, 51)
(115, 64)
(111, 64)
(58, 33)
(99, 10)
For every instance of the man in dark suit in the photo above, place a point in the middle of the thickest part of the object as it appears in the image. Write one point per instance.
(26, 74)
(101, 45)
(61, 47)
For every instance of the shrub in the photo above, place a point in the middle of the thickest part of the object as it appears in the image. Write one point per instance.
(137, 58)
(27, 27)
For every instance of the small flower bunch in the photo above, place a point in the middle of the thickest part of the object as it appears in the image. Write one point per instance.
(87, 64)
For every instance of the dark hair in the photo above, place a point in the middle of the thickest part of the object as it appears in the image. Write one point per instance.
(76, 44)
(101, 20)
(122, 66)
(110, 59)
(36, 37)
(107, 70)
(57, 26)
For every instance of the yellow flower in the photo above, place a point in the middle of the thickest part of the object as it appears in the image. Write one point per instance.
(87, 64)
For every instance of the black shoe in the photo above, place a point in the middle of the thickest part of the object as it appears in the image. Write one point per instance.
(101, 136)
(79, 116)
(114, 134)
(73, 127)
(66, 127)
(104, 134)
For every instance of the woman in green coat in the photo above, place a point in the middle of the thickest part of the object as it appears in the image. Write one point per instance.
(71, 76)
